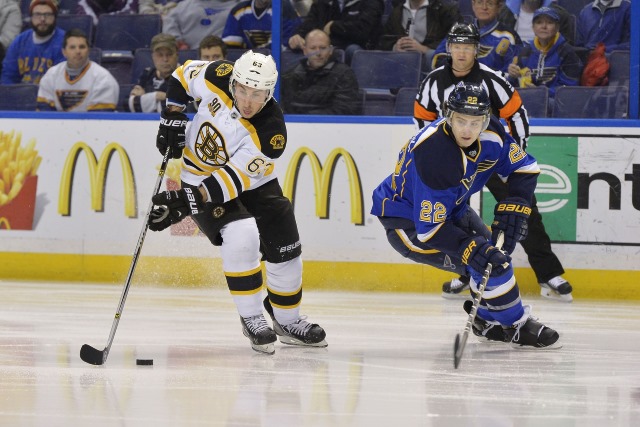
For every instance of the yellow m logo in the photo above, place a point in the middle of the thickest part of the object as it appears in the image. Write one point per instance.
(322, 178)
(97, 177)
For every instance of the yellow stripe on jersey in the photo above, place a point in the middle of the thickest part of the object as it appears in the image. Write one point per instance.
(407, 242)
(252, 132)
(222, 95)
(228, 182)
(243, 177)
(201, 168)
(180, 74)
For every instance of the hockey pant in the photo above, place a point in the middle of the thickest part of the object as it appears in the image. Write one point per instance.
(501, 300)
(259, 225)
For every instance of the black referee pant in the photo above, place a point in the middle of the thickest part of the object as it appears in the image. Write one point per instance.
(537, 245)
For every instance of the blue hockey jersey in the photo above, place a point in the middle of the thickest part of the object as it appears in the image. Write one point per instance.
(434, 178)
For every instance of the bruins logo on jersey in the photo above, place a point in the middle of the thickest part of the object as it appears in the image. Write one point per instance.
(223, 69)
(277, 142)
(210, 146)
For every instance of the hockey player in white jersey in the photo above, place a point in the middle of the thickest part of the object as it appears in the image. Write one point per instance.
(230, 190)
(423, 208)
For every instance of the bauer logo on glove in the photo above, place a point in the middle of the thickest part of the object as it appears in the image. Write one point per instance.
(173, 207)
(511, 216)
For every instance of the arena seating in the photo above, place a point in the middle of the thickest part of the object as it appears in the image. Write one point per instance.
(535, 100)
(18, 97)
(405, 99)
(600, 102)
(83, 22)
(126, 32)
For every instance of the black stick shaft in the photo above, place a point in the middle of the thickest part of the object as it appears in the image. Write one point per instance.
(88, 353)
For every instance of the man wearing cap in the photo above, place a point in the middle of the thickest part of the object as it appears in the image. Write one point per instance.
(36, 50)
(150, 92)
(549, 60)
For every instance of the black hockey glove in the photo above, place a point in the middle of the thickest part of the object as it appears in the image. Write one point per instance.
(173, 125)
(478, 252)
(511, 217)
(173, 207)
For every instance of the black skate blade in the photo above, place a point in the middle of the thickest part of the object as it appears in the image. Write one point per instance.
(457, 354)
(91, 355)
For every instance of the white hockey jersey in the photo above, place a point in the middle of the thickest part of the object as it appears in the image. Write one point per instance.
(94, 89)
(224, 151)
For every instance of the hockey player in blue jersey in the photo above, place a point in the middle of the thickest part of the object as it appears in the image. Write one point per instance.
(423, 208)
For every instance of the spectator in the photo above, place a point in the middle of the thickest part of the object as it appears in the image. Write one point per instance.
(191, 20)
(36, 50)
(352, 25)
(95, 8)
(549, 60)
(248, 25)
(156, 7)
(498, 44)
(212, 48)
(606, 21)
(10, 25)
(149, 95)
(419, 25)
(517, 15)
(319, 84)
(77, 84)
(462, 66)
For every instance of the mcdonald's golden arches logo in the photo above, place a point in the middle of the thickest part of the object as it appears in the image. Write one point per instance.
(97, 178)
(322, 179)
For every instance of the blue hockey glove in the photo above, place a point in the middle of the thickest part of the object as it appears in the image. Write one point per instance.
(173, 207)
(477, 253)
(172, 133)
(511, 216)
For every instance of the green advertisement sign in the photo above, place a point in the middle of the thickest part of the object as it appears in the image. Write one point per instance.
(557, 186)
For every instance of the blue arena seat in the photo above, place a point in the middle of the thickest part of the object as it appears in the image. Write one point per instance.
(83, 22)
(289, 59)
(535, 100)
(600, 102)
(119, 64)
(574, 6)
(95, 54)
(405, 99)
(378, 69)
(619, 68)
(187, 55)
(18, 97)
(126, 32)
(123, 98)
(141, 60)
(67, 7)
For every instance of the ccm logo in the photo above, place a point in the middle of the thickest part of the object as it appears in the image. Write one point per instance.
(173, 123)
(509, 207)
(289, 248)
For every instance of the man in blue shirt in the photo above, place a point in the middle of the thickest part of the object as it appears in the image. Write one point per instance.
(36, 50)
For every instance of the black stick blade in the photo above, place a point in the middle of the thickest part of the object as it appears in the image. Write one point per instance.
(457, 354)
(91, 355)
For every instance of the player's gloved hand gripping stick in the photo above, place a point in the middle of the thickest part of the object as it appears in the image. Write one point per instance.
(459, 344)
(98, 357)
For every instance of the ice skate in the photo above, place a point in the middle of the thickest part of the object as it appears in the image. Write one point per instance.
(529, 333)
(486, 331)
(299, 332)
(457, 288)
(259, 333)
(557, 289)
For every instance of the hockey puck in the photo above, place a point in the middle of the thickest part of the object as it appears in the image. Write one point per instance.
(144, 362)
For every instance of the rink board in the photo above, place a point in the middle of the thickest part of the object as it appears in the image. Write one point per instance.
(96, 177)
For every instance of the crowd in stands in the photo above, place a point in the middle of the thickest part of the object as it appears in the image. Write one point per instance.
(534, 43)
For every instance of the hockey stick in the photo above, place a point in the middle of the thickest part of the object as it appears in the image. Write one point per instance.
(459, 344)
(93, 355)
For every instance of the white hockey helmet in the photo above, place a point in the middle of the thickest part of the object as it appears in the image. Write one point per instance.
(255, 70)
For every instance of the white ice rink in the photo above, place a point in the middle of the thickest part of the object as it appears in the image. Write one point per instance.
(389, 363)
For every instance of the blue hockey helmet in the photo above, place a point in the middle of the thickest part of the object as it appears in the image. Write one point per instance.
(470, 99)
